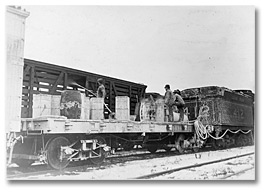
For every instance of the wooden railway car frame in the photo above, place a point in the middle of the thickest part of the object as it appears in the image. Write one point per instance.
(45, 78)
(57, 140)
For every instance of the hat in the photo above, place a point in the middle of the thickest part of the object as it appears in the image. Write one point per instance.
(177, 91)
(100, 80)
(167, 86)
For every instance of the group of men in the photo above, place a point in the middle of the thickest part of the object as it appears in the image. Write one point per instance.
(173, 99)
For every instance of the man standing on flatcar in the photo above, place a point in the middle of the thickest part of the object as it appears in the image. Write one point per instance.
(101, 92)
(169, 101)
(180, 103)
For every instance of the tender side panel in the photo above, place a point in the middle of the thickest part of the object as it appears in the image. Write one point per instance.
(226, 107)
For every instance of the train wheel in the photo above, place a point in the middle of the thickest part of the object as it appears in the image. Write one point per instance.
(152, 148)
(196, 149)
(128, 146)
(179, 144)
(101, 154)
(167, 149)
(54, 153)
(242, 140)
(25, 148)
(218, 144)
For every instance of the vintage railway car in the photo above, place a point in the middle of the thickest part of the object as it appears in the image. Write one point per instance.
(42, 97)
(55, 139)
(228, 111)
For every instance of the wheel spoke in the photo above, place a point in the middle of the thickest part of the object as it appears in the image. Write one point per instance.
(101, 154)
(54, 153)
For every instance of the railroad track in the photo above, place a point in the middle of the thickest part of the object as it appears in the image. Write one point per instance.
(43, 169)
(153, 175)
(236, 173)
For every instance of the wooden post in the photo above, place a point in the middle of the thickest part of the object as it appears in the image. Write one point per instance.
(31, 91)
(15, 28)
(110, 95)
(87, 85)
(53, 89)
(65, 80)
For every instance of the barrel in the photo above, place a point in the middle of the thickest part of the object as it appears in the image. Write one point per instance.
(71, 104)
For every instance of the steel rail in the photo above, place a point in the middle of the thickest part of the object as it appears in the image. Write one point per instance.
(190, 166)
(73, 168)
(236, 173)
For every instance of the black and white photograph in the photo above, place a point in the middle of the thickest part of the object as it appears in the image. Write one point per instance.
(130, 93)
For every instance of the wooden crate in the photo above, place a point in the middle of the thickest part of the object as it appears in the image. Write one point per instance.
(96, 108)
(160, 115)
(55, 105)
(144, 110)
(50, 105)
(122, 108)
(42, 105)
(85, 114)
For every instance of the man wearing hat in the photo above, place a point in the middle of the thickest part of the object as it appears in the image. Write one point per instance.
(101, 92)
(169, 101)
(179, 102)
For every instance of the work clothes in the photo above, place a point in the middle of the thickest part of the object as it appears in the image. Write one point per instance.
(169, 101)
(180, 103)
(101, 92)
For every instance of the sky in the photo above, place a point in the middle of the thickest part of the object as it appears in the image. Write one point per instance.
(183, 46)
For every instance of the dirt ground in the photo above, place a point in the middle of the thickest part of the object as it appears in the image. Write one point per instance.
(131, 169)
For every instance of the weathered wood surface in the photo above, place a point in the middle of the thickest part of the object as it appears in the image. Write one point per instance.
(15, 27)
(45, 78)
(122, 108)
(226, 107)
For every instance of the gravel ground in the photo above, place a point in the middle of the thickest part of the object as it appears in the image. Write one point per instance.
(136, 168)
(217, 171)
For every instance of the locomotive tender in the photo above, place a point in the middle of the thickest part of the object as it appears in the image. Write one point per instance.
(40, 125)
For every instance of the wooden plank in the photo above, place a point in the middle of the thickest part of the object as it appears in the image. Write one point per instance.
(26, 70)
(47, 75)
(130, 89)
(40, 92)
(52, 71)
(78, 72)
(25, 91)
(87, 85)
(65, 80)
(24, 112)
(25, 103)
(26, 98)
(50, 81)
(57, 82)
(110, 95)
(114, 89)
